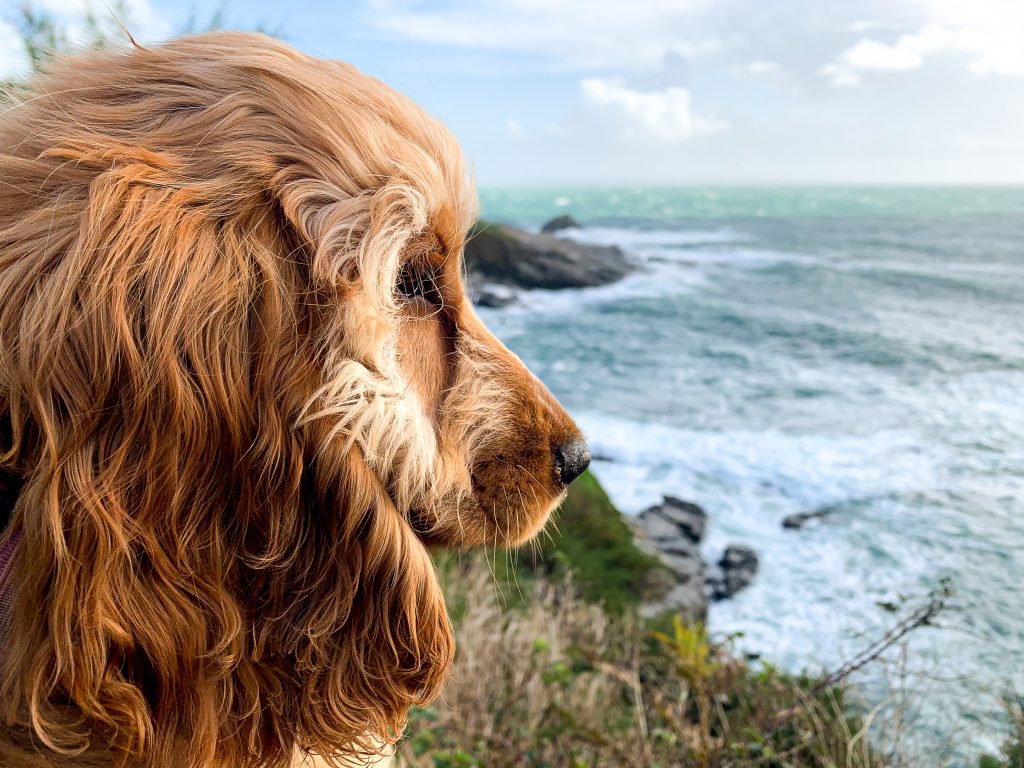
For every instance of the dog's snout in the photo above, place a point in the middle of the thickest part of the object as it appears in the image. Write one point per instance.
(571, 460)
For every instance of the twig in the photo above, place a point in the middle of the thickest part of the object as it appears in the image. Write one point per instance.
(921, 617)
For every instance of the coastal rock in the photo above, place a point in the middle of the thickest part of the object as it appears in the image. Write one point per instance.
(496, 253)
(689, 603)
(565, 221)
(735, 571)
(800, 519)
(494, 296)
(687, 518)
(672, 531)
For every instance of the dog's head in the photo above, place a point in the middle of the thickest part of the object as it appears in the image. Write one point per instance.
(242, 390)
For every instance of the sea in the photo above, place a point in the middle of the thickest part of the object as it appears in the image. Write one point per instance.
(785, 350)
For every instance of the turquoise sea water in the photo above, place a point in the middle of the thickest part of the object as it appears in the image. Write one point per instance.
(785, 350)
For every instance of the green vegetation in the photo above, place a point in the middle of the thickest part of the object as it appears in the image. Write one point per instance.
(559, 681)
(591, 541)
(1012, 753)
(555, 668)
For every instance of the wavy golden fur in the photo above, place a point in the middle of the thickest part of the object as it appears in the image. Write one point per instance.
(241, 391)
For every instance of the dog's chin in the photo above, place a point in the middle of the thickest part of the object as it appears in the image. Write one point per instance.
(482, 523)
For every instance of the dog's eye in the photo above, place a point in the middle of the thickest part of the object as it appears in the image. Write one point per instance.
(418, 282)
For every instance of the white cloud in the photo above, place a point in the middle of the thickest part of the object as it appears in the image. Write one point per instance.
(514, 127)
(871, 55)
(990, 33)
(763, 67)
(840, 75)
(13, 56)
(575, 34)
(666, 115)
(907, 53)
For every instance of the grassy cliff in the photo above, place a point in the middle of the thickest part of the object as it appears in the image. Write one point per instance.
(591, 542)
(555, 668)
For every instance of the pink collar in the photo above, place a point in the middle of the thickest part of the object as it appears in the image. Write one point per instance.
(7, 586)
(7, 553)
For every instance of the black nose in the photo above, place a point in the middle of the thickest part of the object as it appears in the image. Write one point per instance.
(571, 460)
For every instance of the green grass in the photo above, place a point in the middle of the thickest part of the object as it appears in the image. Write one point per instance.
(592, 541)
(589, 542)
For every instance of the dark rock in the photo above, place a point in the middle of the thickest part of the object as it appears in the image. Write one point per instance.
(689, 603)
(494, 298)
(560, 222)
(688, 567)
(496, 253)
(688, 517)
(800, 519)
(735, 571)
(672, 531)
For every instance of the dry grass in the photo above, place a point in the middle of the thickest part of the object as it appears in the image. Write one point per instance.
(557, 681)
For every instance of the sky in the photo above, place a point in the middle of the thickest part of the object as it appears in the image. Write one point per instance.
(687, 92)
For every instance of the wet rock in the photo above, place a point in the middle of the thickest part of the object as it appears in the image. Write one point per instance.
(735, 571)
(564, 221)
(800, 519)
(496, 253)
(672, 531)
(688, 518)
(494, 297)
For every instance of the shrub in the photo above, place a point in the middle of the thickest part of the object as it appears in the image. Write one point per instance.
(558, 681)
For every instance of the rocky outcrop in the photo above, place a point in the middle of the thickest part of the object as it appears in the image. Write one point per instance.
(673, 531)
(735, 571)
(496, 253)
(564, 221)
(494, 296)
(800, 519)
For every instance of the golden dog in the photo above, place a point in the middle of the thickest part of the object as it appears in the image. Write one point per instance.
(241, 392)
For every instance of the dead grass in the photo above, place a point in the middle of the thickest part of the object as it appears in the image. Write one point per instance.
(557, 681)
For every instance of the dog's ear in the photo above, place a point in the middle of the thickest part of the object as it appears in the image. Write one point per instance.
(362, 612)
(200, 572)
(147, 349)
(361, 619)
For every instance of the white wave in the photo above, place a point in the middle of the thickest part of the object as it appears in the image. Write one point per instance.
(739, 257)
(651, 280)
(631, 238)
(815, 600)
(798, 471)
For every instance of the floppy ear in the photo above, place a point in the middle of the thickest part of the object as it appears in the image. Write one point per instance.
(362, 614)
(144, 341)
(362, 618)
(198, 578)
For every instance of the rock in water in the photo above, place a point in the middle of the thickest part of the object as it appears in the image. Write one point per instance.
(494, 297)
(735, 571)
(800, 519)
(689, 519)
(672, 531)
(496, 253)
(565, 221)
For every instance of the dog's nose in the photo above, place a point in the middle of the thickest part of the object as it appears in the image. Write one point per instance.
(571, 460)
